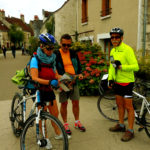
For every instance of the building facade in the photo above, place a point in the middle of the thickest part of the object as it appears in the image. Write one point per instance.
(92, 21)
(5, 25)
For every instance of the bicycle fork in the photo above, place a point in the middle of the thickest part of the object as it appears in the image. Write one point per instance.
(40, 124)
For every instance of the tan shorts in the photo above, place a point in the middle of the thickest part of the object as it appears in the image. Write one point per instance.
(73, 94)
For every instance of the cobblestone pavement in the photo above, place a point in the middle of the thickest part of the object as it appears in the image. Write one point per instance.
(97, 136)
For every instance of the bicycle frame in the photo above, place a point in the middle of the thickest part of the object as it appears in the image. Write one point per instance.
(145, 104)
(23, 101)
(24, 106)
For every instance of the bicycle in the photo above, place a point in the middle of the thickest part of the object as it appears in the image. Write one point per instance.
(106, 103)
(19, 103)
(141, 109)
(41, 128)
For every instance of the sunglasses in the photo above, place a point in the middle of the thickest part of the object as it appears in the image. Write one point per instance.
(115, 37)
(49, 48)
(64, 45)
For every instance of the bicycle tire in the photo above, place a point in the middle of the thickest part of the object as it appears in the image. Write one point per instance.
(147, 123)
(108, 108)
(108, 94)
(28, 136)
(16, 115)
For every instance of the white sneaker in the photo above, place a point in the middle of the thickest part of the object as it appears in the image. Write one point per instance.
(49, 145)
(60, 137)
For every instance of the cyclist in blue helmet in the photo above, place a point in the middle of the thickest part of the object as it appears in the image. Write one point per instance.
(43, 71)
(47, 39)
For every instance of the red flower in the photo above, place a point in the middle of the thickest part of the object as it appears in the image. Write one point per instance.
(88, 68)
(98, 74)
(105, 70)
(87, 52)
(88, 65)
(91, 81)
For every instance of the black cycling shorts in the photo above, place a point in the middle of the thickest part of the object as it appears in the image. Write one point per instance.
(125, 91)
(47, 96)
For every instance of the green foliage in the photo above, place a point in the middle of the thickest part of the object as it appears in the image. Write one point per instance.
(93, 66)
(15, 34)
(50, 26)
(34, 43)
(144, 71)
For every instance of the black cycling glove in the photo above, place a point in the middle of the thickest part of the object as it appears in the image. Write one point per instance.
(116, 64)
(110, 83)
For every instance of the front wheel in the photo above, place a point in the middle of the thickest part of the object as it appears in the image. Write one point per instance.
(52, 126)
(108, 108)
(16, 114)
(147, 122)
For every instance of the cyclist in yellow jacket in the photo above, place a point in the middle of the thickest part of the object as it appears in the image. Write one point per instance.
(121, 75)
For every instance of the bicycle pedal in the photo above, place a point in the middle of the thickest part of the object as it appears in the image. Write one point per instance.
(18, 132)
(21, 124)
(140, 129)
(32, 124)
(42, 142)
(12, 119)
(137, 122)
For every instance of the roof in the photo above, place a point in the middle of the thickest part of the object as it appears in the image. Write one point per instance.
(46, 13)
(3, 27)
(61, 6)
(20, 23)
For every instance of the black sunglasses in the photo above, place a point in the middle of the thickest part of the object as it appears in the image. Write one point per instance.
(64, 45)
(49, 48)
(115, 37)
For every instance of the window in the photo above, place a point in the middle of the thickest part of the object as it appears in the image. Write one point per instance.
(106, 10)
(84, 11)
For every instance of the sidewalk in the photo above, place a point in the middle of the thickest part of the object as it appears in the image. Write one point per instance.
(97, 136)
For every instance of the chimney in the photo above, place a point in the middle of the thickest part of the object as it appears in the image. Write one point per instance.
(22, 17)
(2, 13)
(36, 18)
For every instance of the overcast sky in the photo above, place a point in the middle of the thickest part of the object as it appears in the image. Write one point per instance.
(29, 8)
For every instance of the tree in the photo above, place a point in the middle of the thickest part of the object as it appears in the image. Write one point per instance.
(34, 43)
(50, 26)
(16, 36)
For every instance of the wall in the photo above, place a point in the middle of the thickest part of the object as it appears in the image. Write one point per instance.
(124, 15)
(65, 19)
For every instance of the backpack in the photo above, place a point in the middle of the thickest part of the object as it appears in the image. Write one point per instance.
(25, 74)
(22, 74)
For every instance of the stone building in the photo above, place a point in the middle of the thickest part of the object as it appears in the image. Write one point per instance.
(92, 21)
(5, 24)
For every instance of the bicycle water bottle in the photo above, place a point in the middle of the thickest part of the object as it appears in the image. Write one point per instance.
(38, 96)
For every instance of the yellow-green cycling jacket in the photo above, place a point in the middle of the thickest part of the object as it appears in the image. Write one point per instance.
(125, 55)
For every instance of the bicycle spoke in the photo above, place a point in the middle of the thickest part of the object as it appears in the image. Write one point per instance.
(147, 123)
(29, 137)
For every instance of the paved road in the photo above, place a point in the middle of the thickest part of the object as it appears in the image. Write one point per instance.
(8, 68)
(97, 136)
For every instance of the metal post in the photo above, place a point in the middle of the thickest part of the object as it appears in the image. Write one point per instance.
(144, 27)
(76, 32)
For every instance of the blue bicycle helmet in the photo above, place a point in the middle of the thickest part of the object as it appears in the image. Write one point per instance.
(117, 30)
(47, 39)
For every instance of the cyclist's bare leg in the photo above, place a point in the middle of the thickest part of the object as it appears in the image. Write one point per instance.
(121, 108)
(63, 111)
(75, 109)
(130, 110)
(53, 109)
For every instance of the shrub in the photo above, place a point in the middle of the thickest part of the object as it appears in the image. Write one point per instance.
(93, 66)
(144, 71)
